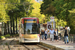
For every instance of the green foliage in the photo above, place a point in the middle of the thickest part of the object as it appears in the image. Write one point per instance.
(1, 37)
(47, 8)
(3, 15)
(62, 9)
(60, 23)
(6, 43)
(72, 20)
(58, 8)
(8, 35)
(36, 11)
(12, 5)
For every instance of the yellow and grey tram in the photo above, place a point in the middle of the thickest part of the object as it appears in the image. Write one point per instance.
(29, 30)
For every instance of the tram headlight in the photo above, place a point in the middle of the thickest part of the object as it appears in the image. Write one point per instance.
(39, 35)
(21, 35)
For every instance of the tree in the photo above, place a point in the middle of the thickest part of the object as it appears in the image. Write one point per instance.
(17, 11)
(59, 9)
(72, 20)
(47, 8)
(36, 11)
(3, 15)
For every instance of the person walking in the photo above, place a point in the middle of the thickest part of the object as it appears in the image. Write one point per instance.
(62, 34)
(46, 34)
(42, 33)
(51, 34)
(56, 34)
(66, 34)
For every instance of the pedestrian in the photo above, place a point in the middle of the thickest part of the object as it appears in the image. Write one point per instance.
(51, 34)
(62, 34)
(42, 33)
(56, 34)
(66, 34)
(46, 34)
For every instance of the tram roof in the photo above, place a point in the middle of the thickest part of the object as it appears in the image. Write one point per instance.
(29, 18)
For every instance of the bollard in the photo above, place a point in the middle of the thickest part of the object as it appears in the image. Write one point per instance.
(70, 38)
(73, 39)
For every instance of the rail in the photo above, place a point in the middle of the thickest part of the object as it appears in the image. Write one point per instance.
(36, 47)
(11, 46)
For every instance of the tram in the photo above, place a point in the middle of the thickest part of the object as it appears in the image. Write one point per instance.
(29, 30)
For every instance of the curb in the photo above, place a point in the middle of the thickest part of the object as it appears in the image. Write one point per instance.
(50, 46)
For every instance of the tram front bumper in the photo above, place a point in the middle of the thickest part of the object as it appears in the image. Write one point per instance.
(23, 40)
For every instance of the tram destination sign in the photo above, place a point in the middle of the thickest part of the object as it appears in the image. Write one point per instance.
(30, 21)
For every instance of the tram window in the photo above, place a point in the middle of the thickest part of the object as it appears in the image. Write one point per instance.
(34, 28)
(39, 25)
(30, 26)
(38, 28)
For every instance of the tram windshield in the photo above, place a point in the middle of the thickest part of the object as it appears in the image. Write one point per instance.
(30, 26)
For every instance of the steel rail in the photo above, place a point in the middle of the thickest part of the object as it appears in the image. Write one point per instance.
(40, 47)
(26, 47)
(10, 44)
(43, 47)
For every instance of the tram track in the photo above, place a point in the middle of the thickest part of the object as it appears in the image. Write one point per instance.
(28, 47)
(5, 44)
(43, 47)
(36, 47)
(12, 45)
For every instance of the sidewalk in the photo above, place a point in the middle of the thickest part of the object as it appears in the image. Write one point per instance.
(59, 44)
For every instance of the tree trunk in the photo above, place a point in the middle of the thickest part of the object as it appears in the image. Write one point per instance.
(16, 24)
(10, 25)
(13, 27)
(5, 31)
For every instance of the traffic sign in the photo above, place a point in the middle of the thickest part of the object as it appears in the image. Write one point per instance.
(51, 18)
(51, 24)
